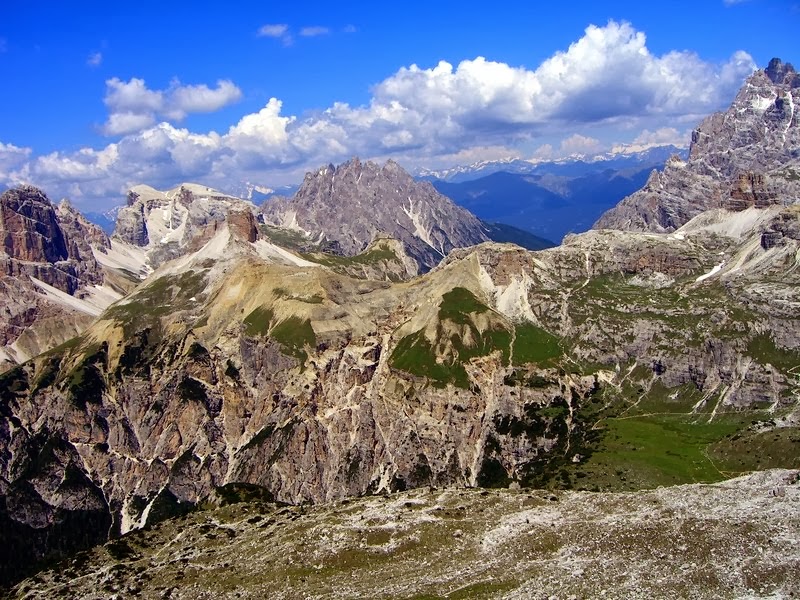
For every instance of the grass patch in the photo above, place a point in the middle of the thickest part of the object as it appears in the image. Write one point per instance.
(162, 297)
(294, 334)
(755, 449)
(415, 355)
(659, 449)
(286, 238)
(763, 349)
(458, 304)
(372, 256)
(257, 322)
(534, 345)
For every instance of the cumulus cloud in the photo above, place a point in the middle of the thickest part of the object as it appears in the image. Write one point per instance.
(133, 106)
(314, 31)
(580, 144)
(12, 158)
(478, 108)
(95, 59)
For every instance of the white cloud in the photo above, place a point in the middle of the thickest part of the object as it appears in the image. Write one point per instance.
(201, 99)
(606, 80)
(133, 106)
(661, 137)
(349, 29)
(120, 123)
(544, 152)
(12, 158)
(580, 144)
(132, 96)
(95, 59)
(314, 31)
(278, 31)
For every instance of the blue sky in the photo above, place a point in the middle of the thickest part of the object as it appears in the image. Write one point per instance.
(97, 96)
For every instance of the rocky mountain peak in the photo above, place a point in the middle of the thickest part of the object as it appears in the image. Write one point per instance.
(782, 73)
(753, 143)
(356, 201)
(29, 228)
(170, 223)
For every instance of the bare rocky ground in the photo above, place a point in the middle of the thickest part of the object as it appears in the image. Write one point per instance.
(736, 539)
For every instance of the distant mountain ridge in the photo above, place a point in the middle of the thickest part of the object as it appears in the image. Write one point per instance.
(552, 202)
(573, 166)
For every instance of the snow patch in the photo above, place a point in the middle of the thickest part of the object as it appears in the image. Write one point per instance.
(419, 228)
(125, 257)
(761, 104)
(96, 301)
(711, 273)
(272, 253)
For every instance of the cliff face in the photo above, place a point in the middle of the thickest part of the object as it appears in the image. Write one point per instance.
(745, 156)
(47, 258)
(352, 204)
(29, 228)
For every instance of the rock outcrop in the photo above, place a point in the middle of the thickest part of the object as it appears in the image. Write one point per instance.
(169, 224)
(49, 274)
(352, 204)
(745, 156)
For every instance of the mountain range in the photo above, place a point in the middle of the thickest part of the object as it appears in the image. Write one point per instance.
(367, 337)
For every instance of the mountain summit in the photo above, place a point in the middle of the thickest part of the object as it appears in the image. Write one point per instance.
(748, 155)
(353, 203)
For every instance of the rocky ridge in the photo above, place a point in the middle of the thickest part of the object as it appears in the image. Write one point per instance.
(169, 224)
(745, 156)
(495, 367)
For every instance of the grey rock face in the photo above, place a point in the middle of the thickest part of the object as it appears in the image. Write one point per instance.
(53, 246)
(748, 155)
(175, 222)
(355, 202)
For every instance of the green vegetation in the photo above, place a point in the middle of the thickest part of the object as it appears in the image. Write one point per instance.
(294, 334)
(371, 256)
(661, 449)
(416, 355)
(235, 493)
(286, 238)
(162, 297)
(85, 382)
(534, 345)
(458, 304)
(760, 446)
(257, 323)
(763, 349)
